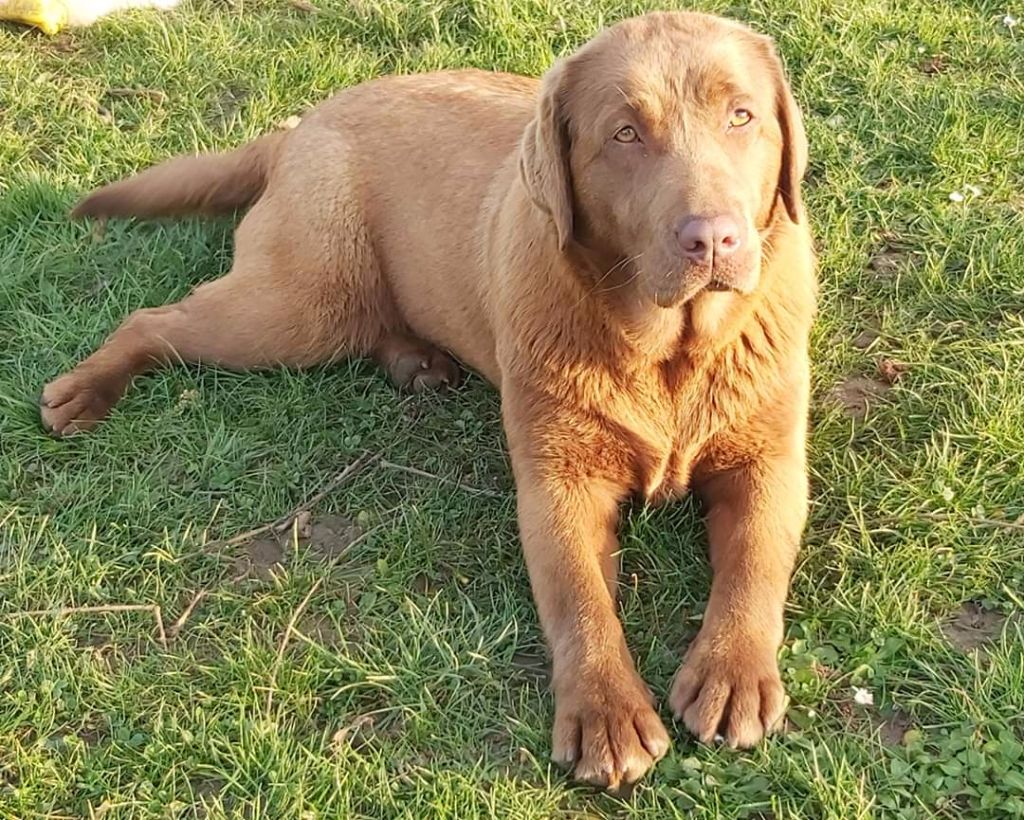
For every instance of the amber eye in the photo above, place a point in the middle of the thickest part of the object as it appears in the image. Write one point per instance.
(740, 117)
(626, 134)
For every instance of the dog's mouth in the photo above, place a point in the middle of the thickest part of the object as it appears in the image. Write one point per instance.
(687, 290)
(685, 281)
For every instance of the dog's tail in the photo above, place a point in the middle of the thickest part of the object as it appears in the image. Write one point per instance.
(206, 184)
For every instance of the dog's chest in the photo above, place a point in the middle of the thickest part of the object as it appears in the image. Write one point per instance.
(667, 477)
(677, 420)
(663, 443)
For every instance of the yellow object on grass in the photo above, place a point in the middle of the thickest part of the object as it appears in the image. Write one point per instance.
(49, 15)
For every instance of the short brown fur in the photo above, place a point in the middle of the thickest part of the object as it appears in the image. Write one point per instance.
(521, 227)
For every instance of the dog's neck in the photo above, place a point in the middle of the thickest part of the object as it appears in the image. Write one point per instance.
(576, 328)
(654, 334)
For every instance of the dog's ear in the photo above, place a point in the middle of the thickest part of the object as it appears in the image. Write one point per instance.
(544, 155)
(794, 138)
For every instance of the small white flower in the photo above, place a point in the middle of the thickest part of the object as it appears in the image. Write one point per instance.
(863, 697)
(973, 190)
(1010, 21)
(947, 494)
(835, 121)
(921, 49)
(978, 511)
(811, 713)
(956, 196)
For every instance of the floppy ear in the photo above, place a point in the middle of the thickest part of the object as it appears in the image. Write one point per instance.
(794, 138)
(544, 156)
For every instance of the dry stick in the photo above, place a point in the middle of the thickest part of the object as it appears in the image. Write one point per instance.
(284, 642)
(977, 521)
(282, 523)
(74, 610)
(155, 94)
(178, 624)
(61, 612)
(424, 474)
(158, 615)
(285, 521)
(940, 517)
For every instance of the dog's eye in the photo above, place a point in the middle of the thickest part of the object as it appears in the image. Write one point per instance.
(626, 134)
(740, 117)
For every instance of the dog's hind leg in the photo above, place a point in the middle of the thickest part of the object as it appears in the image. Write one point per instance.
(305, 288)
(415, 365)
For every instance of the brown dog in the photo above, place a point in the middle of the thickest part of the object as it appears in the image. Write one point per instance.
(622, 251)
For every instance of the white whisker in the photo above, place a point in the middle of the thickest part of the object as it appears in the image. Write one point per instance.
(597, 285)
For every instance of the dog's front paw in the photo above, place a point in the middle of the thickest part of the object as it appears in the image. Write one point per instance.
(729, 685)
(607, 731)
(77, 401)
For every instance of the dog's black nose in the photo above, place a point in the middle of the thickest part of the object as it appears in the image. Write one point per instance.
(704, 239)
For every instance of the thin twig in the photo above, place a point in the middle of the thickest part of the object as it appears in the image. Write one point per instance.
(285, 521)
(60, 612)
(977, 521)
(424, 474)
(176, 627)
(10, 514)
(155, 94)
(64, 611)
(284, 642)
(161, 633)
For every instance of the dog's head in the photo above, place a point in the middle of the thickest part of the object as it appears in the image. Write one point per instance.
(667, 147)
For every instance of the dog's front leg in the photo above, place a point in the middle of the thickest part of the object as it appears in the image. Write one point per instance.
(729, 681)
(605, 725)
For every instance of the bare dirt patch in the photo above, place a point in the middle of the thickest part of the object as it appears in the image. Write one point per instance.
(331, 535)
(856, 394)
(327, 537)
(261, 558)
(319, 629)
(973, 627)
(891, 254)
(866, 338)
(893, 727)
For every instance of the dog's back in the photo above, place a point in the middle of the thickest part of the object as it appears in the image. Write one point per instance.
(420, 152)
(426, 152)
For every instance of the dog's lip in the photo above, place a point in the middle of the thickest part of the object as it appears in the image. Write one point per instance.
(678, 296)
(691, 280)
(704, 284)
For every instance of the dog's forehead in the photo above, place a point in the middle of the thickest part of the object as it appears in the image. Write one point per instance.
(657, 71)
(697, 74)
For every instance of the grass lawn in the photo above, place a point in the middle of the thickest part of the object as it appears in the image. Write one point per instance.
(413, 682)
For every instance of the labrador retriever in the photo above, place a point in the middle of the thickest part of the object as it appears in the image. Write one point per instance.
(621, 249)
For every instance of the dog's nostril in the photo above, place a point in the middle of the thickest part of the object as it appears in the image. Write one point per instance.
(728, 235)
(696, 237)
(703, 238)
